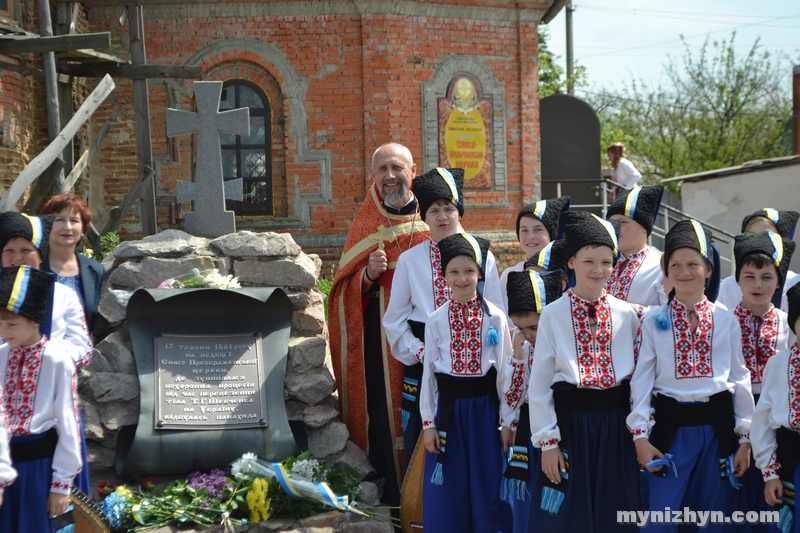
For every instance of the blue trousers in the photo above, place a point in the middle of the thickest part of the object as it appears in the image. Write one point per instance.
(603, 478)
(469, 499)
(24, 508)
(698, 486)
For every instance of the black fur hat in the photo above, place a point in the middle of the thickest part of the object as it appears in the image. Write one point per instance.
(551, 258)
(34, 229)
(440, 183)
(640, 204)
(24, 291)
(548, 211)
(464, 244)
(582, 228)
(531, 291)
(772, 245)
(793, 299)
(688, 233)
(785, 221)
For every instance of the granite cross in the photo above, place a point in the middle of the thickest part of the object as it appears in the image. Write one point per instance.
(209, 191)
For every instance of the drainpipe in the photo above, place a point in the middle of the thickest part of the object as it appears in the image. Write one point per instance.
(796, 110)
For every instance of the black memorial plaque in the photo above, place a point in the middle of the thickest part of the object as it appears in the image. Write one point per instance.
(209, 381)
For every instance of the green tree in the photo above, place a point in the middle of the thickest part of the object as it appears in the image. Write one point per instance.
(552, 79)
(714, 110)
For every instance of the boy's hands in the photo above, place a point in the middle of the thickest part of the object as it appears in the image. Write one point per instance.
(741, 461)
(553, 464)
(508, 438)
(646, 452)
(773, 490)
(431, 438)
(519, 340)
(57, 504)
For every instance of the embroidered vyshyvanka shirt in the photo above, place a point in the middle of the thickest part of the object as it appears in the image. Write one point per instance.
(419, 289)
(7, 472)
(762, 337)
(40, 392)
(68, 323)
(456, 344)
(690, 366)
(638, 279)
(567, 350)
(778, 406)
(517, 375)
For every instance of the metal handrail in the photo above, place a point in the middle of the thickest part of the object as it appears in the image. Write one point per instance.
(669, 214)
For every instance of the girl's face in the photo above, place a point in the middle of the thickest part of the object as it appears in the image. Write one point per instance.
(533, 235)
(687, 271)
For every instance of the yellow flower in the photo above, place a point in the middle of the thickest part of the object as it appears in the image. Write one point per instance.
(124, 491)
(257, 501)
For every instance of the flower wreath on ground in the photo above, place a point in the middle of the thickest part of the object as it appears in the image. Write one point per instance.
(256, 490)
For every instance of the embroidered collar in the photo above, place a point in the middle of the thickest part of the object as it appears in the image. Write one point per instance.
(439, 285)
(21, 383)
(619, 284)
(593, 350)
(466, 337)
(758, 345)
(693, 356)
(794, 387)
(27, 350)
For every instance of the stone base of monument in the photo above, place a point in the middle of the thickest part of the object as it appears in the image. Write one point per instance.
(109, 385)
(329, 522)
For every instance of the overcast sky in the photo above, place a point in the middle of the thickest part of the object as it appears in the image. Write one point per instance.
(619, 39)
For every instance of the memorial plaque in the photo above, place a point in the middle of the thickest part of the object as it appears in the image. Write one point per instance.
(209, 381)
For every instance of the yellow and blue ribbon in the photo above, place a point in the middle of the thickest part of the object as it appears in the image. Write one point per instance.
(539, 209)
(611, 232)
(451, 183)
(539, 293)
(772, 214)
(476, 247)
(19, 290)
(777, 243)
(285, 482)
(631, 201)
(701, 238)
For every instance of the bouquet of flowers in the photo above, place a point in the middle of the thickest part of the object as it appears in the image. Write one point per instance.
(201, 279)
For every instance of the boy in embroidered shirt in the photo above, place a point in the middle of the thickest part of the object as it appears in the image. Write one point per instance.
(419, 287)
(579, 397)
(40, 403)
(528, 294)
(761, 266)
(776, 422)
(691, 371)
(7, 472)
(537, 226)
(767, 220)
(637, 276)
(466, 347)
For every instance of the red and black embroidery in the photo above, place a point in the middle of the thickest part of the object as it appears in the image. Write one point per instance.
(693, 358)
(794, 388)
(595, 361)
(466, 342)
(441, 290)
(758, 346)
(619, 284)
(21, 383)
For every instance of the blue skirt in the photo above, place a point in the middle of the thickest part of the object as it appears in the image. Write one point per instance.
(24, 508)
(468, 501)
(603, 477)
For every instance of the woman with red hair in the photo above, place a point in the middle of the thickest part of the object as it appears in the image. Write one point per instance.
(82, 274)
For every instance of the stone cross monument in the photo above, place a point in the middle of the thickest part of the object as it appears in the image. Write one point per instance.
(209, 191)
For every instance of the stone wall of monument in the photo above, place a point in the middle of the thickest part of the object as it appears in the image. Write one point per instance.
(109, 386)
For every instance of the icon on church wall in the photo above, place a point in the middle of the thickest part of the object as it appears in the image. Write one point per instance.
(465, 132)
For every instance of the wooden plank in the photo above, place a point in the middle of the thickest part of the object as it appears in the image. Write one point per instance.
(21, 69)
(43, 186)
(49, 154)
(86, 157)
(147, 2)
(140, 72)
(137, 190)
(141, 109)
(89, 55)
(51, 86)
(57, 43)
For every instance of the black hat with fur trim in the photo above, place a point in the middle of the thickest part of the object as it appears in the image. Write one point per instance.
(34, 229)
(447, 183)
(772, 245)
(582, 228)
(640, 204)
(548, 211)
(24, 291)
(464, 244)
(688, 233)
(531, 291)
(785, 221)
(793, 301)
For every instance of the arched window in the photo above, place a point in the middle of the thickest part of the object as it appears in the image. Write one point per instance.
(250, 157)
